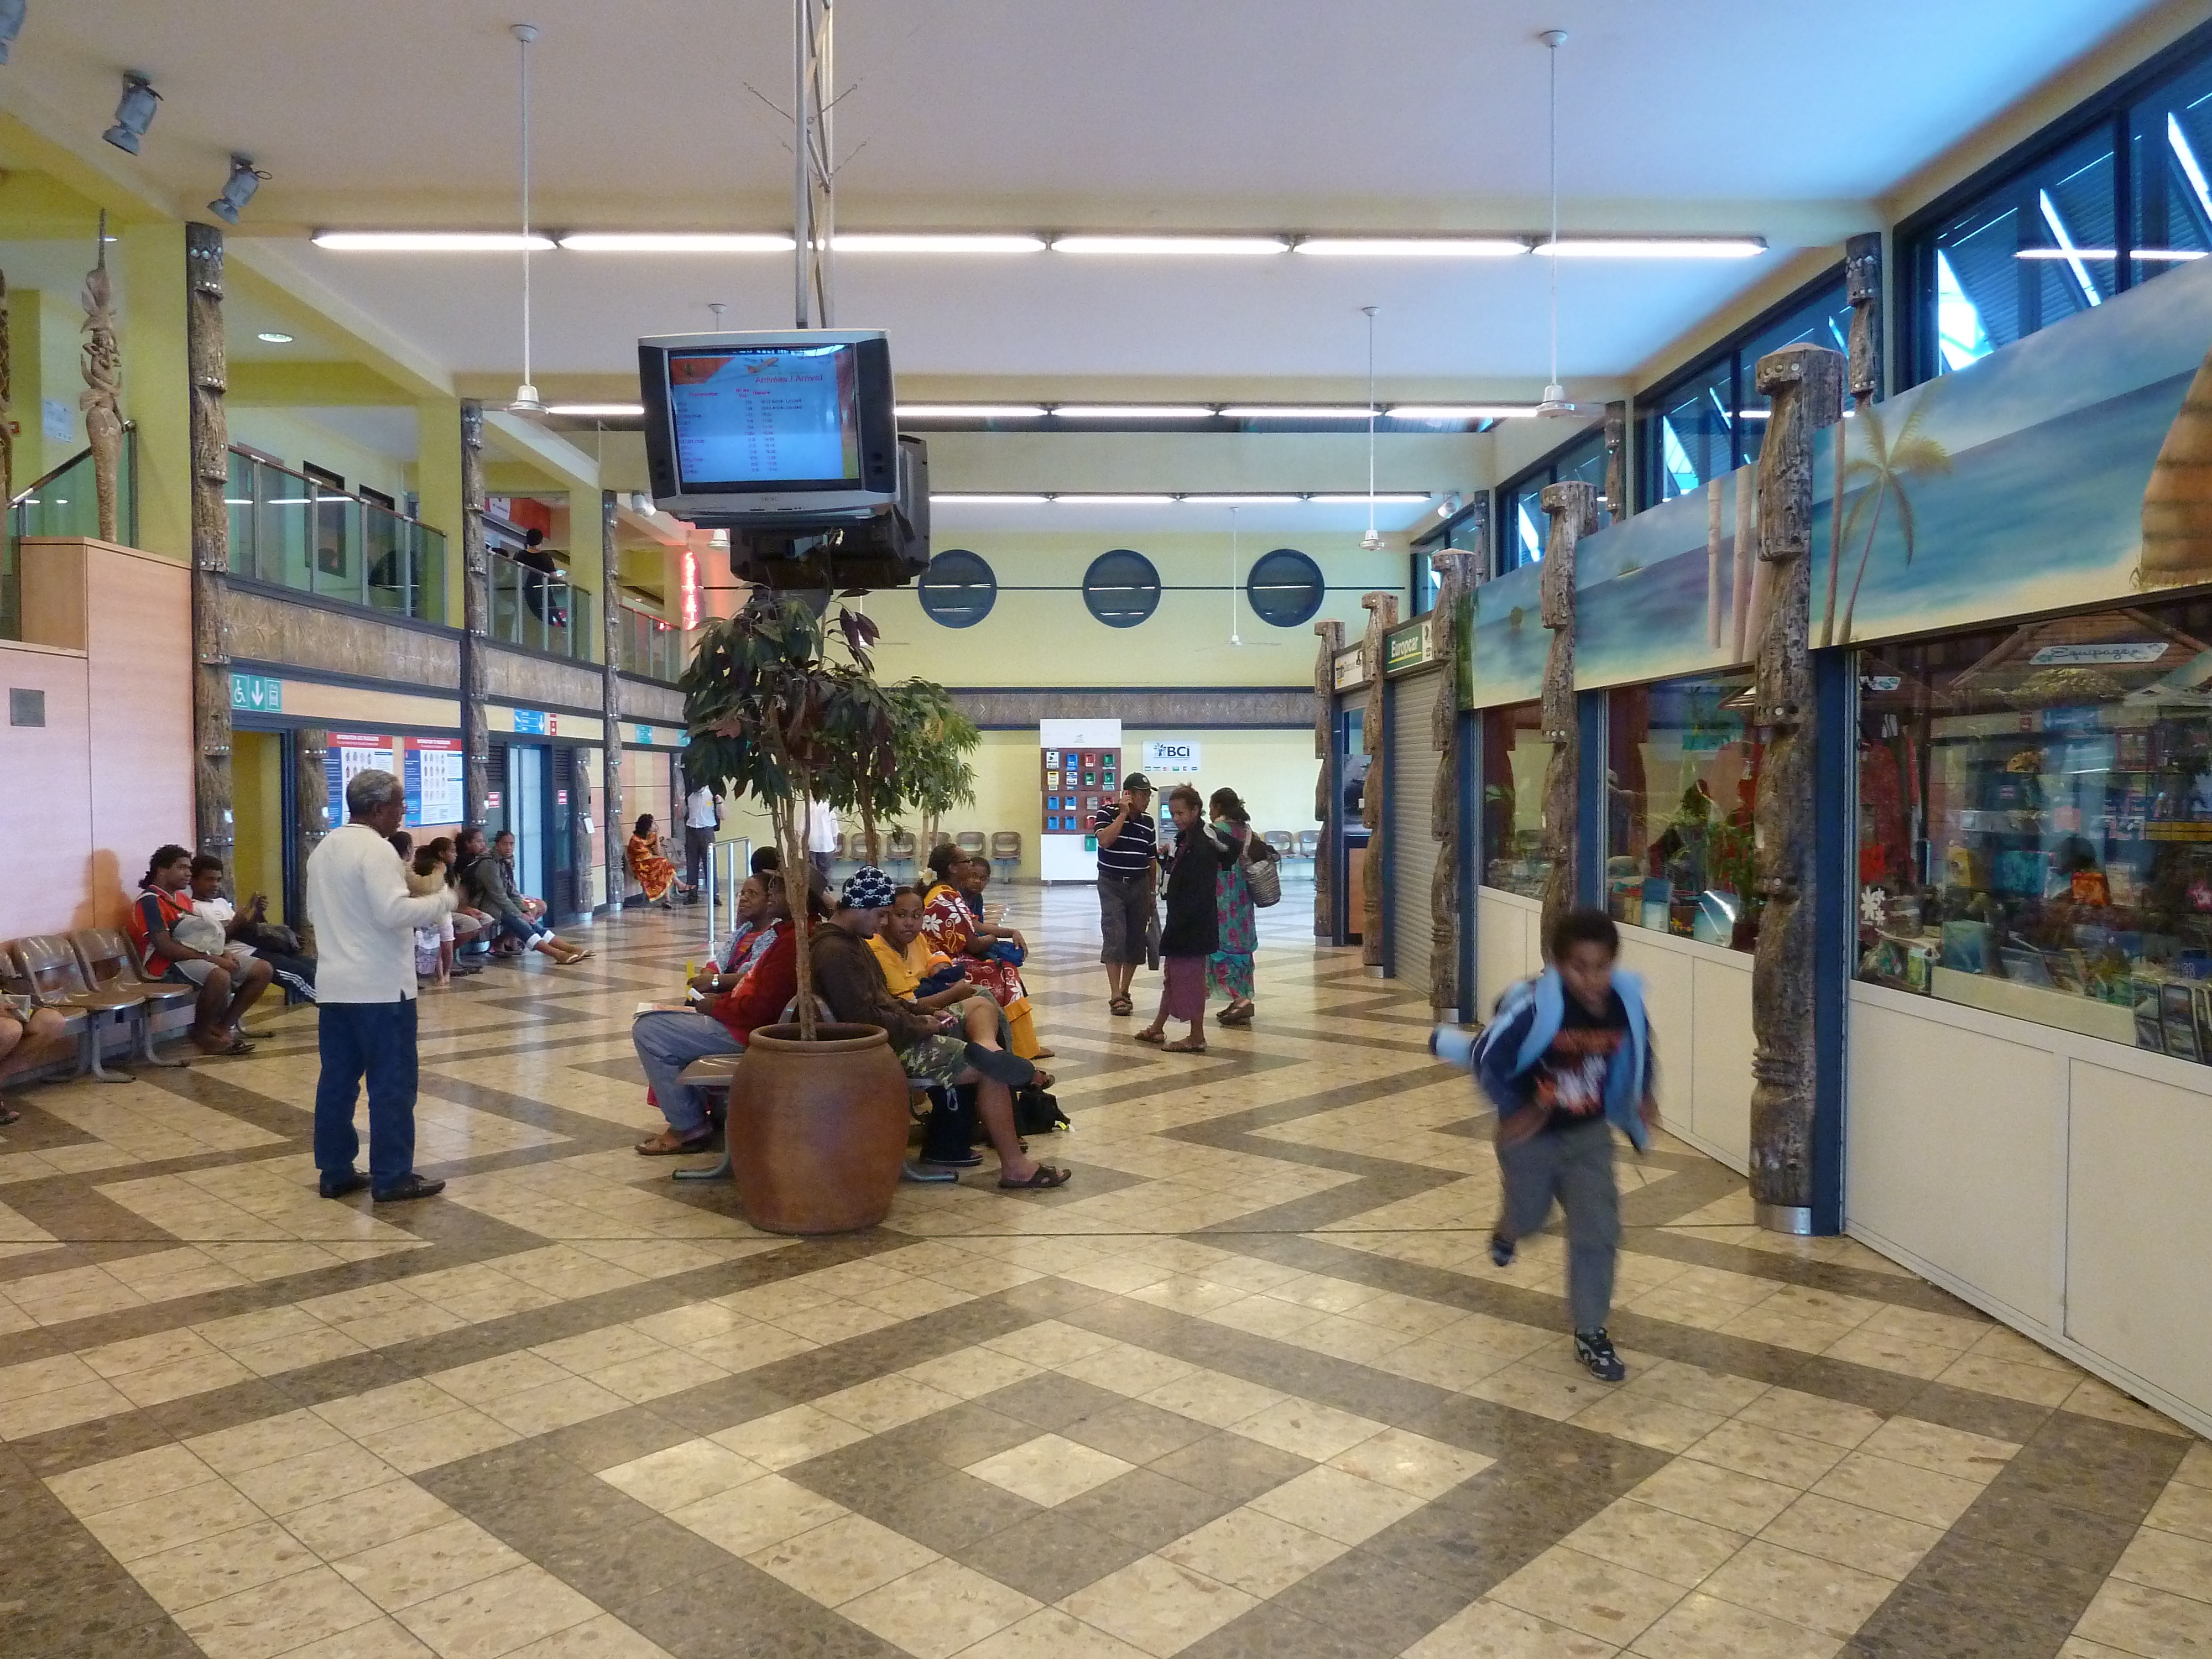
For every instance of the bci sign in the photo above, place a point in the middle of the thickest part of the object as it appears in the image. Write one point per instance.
(1171, 754)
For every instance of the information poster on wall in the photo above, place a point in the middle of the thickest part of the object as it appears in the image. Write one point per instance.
(434, 780)
(1080, 769)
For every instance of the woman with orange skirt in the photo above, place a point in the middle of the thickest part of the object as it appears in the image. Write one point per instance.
(953, 923)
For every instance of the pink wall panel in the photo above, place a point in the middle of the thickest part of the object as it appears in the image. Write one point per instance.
(140, 636)
(45, 808)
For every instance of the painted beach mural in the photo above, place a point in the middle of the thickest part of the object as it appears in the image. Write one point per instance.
(2072, 468)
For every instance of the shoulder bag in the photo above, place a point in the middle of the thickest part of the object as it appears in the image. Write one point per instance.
(1262, 873)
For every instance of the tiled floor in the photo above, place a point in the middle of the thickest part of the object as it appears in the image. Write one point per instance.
(1249, 1387)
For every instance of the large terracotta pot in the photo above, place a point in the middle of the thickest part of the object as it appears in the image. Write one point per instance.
(818, 1130)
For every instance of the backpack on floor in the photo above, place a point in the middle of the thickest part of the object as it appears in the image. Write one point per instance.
(1036, 1113)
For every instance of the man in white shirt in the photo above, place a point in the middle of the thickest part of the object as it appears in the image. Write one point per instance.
(821, 835)
(702, 816)
(365, 923)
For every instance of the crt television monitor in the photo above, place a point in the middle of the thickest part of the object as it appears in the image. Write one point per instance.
(764, 427)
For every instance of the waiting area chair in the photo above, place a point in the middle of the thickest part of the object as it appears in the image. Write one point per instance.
(970, 842)
(1006, 851)
(1308, 844)
(1282, 840)
(53, 976)
(109, 962)
(900, 850)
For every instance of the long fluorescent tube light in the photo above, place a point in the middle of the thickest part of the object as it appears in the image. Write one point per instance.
(871, 241)
(1217, 245)
(1132, 500)
(2108, 254)
(1292, 412)
(598, 411)
(1007, 499)
(1243, 501)
(1652, 247)
(1460, 412)
(1134, 411)
(1386, 498)
(675, 241)
(430, 241)
(1415, 247)
(970, 411)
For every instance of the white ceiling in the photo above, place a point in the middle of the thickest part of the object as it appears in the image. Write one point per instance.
(1714, 116)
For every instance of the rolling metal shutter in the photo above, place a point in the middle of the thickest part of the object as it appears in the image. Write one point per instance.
(1411, 782)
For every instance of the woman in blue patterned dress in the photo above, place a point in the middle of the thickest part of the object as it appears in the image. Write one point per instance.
(1229, 969)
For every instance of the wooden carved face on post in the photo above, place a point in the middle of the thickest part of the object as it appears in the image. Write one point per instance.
(103, 386)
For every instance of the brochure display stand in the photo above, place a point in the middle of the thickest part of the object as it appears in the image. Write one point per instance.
(1079, 770)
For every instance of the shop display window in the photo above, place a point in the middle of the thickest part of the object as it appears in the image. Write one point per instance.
(1514, 758)
(1682, 769)
(2035, 822)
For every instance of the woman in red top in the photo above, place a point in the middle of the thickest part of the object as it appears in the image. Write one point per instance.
(230, 983)
(668, 1040)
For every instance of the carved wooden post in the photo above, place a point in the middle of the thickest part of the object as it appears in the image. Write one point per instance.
(7, 425)
(1617, 504)
(610, 788)
(1572, 508)
(1382, 617)
(1457, 573)
(209, 369)
(1326, 795)
(103, 386)
(310, 795)
(1863, 287)
(475, 617)
(1805, 384)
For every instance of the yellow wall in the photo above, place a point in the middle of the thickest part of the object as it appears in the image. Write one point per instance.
(150, 333)
(257, 805)
(293, 437)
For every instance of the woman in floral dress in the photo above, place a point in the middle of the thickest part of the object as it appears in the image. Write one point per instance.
(1229, 969)
(952, 923)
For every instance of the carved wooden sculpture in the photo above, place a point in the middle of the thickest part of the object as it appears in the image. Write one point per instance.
(1572, 508)
(101, 399)
(1616, 461)
(610, 786)
(1331, 642)
(1863, 289)
(1457, 573)
(1382, 617)
(310, 823)
(476, 618)
(1805, 384)
(209, 369)
(8, 427)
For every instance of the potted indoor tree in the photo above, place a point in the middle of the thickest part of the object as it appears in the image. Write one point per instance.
(818, 1124)
(930, 772)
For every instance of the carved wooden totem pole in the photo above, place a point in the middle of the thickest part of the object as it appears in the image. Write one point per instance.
(1863, 287)
(101, 399)
(312, 809)
(476, 618)
(7, 425)
(1324, 874)
(208, 368)
(1457, 573)
(1382, 617)
(1572, 508)
(1805, 384)
(1616, 461)
(610, 786)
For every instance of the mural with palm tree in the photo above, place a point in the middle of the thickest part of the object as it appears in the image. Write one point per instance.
(1888, 462)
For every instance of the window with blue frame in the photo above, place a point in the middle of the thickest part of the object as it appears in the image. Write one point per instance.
(1461, 533)
(1522, 525)
(2114, 194)
(1709, 419)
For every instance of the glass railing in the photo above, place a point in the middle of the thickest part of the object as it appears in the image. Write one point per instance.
(651, 648)
(540, 611)
(63, 503)
(287, 530)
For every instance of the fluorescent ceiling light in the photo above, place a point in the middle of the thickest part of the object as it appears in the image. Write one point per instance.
(1653, 247)
(1292, 412)
(598, 411)
(1460, 412)
(430, 241)
(1243, 500)
(1415, 247)
(1385, 498)
(274, 338)
(1130, 499)
(1134, 411)
(970, 411)
(675, 241)
(2106, 253)
(986, 501)
(869, 241)
(1217, 245)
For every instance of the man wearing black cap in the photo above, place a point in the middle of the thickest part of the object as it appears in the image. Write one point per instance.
(1128, 853)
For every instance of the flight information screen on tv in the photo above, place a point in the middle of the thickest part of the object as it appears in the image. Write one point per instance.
(765, 414)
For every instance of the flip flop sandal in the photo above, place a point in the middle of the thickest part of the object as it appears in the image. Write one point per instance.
(1044, 1079)
(1042, 1179)
(240, 1046)
(1001, 1066)
(661, 1145)
(1121, 1006)
(1158, 1038)
(9, 1114)
(1186, 1047)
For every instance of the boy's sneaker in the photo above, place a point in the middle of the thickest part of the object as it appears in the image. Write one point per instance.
(1595, 1350)
(1501, 1251)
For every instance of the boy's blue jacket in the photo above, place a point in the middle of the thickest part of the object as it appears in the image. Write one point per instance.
(1527, 1018)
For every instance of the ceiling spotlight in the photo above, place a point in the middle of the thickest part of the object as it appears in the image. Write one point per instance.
(238, 190)
(134, 112)
(273, 337)
(11, 24)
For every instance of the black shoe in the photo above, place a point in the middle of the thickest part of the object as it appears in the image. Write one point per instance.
(1501, 1251)
(1595, 1350)
(339, 1186)
(410, 1185)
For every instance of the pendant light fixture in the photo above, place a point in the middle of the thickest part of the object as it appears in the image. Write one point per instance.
(1555, 402)
(526, 400)
(1372, 541)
